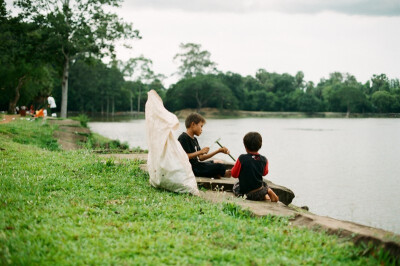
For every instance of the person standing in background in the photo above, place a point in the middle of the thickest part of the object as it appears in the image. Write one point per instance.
(52, 105)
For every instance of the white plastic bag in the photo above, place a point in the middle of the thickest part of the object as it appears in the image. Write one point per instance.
(167, 162)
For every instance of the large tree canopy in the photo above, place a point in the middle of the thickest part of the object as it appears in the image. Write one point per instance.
(77, 27)
(24, 61)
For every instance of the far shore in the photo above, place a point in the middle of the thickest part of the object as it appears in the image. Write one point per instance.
(223, 113)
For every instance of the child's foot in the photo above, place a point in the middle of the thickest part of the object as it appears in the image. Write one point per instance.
(274, 197)
(228, 173)
(267, 198)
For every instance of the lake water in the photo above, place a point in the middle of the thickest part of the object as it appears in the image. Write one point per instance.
(347, 169)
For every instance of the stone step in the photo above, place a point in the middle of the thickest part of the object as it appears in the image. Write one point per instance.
(69, 136)
(76, 130)
(285, 195)
(67, 145)
(63, 122)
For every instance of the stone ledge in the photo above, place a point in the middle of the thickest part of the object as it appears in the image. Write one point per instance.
(355, 232)
(226, 184)
(258, 208)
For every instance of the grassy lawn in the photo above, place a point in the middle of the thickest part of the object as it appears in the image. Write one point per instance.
(60, 207)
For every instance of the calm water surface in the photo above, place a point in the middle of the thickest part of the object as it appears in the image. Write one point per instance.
(347, 169)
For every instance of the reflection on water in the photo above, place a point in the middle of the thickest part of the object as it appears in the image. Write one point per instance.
(119, 118)
(342, 168)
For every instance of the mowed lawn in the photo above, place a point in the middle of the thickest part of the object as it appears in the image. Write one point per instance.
(60, 207)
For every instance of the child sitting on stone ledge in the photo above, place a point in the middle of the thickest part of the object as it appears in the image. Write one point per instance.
(250, 169)
(194, 127)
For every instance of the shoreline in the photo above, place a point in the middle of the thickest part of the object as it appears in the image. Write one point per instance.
(216, 113)
(226, 114)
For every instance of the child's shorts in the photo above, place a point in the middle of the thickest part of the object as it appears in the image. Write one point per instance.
(257, 195)
(208, 169)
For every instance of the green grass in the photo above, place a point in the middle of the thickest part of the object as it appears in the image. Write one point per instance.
(60, 207)
(106, 145)
(34, 132)
(82, 118)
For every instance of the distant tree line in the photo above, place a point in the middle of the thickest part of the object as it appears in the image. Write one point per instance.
(58, 52)
(202, 85)
(283, 92)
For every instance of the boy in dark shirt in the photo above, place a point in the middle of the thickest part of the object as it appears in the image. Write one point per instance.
(250, 168)
(194, 126)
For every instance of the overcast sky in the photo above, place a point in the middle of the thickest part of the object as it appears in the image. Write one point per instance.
(318, 37)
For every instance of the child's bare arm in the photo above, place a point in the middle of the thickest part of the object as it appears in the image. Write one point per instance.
(209, 155)
(199, 153)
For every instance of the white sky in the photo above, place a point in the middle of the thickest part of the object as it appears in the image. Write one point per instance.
(318, 37)
(362, 39)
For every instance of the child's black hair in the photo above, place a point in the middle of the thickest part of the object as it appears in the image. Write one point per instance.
(194, 117)
(252, 141)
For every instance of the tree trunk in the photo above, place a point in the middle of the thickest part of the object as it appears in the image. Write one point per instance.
(13, 102)
(113, 106)
(64, 87)
(82, 101)
(199, 105)
(131, 102)
(108, 105)
(138, 102)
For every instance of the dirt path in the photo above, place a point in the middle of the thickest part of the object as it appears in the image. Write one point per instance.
(69, 133)
(8, 118)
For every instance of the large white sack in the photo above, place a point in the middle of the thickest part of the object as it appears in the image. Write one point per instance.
(167, 162)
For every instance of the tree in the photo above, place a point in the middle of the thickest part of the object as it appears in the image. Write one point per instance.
(379, 83)
(262, 100)
(199, 92)
(308, 103)
(22, 61)
(265, 79)
(140, 69)
(343, 93)
(3, 11)
(283, 84)
(194, 61)
(235, 83)
(77, 27)
(291, 100)
(383, 100)
(84, 85)
(351, 98)
(299, 80)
